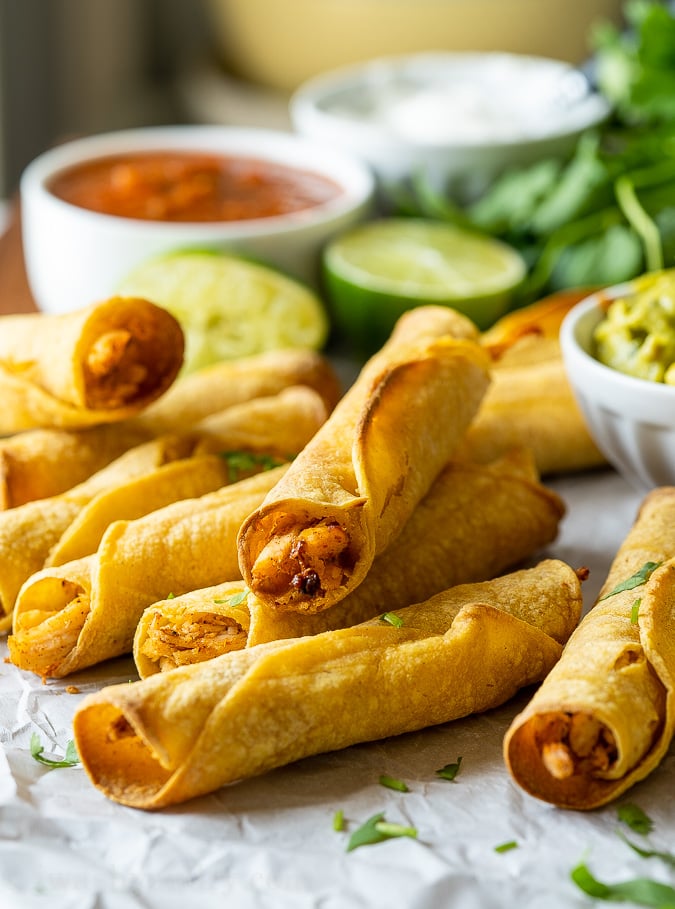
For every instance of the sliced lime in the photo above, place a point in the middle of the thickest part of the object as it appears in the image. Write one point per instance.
(228, 306)
(374, 272)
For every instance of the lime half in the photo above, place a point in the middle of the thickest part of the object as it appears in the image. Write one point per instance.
(228, 306)
(375, 272)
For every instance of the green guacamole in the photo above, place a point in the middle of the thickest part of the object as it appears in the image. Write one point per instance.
(637, 335)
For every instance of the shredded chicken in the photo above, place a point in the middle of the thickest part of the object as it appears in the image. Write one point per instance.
(191, 639)
(575, 743)
(310, 561)
(114, 369)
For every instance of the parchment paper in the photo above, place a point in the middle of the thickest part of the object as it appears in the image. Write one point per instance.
(269, 842)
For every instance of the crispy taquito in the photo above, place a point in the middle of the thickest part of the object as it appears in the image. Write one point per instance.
(352, 488)
(184, 733)
(96, 365)
(42, 463)
(500, 513)
(81, 613)
(604, 718)
(244, 437)
(530, 401)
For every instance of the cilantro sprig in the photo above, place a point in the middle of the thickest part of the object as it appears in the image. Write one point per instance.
(450, 771)
(634, 817)
(375, 830)
(235, 600)
(641, 890)
(635, 580)
(70, 758)
(243, 462)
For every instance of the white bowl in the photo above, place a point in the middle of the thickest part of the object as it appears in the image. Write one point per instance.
(459, 117)
(75, 257)
(632, 420)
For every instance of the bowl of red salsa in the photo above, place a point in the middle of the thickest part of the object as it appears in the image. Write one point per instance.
(95, 208)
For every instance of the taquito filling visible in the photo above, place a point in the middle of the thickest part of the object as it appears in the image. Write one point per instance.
(191, 638)
(124, 364)
(575, 744)
(44, 637)
(308, 561)
(113, 371)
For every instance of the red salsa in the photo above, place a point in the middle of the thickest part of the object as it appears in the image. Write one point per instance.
(190, 186)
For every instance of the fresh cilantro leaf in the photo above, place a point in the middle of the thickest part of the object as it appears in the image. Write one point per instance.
(450, 771)
(376, 830)
(392, 783)
(392, 619)
(235, 600)
(239, 462)
(641, 890)
(635, 580)
(667, 857)
(635, 818)
(339, 820)
(70, 758)
(506, 847)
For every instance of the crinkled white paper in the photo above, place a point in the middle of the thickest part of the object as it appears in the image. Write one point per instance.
(269, 842)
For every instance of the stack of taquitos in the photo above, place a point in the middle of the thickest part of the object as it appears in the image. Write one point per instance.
(42, 463)
(530, 401)
(352, 488)
(500, 514)
(146, 477)
(86, 611)
(187, 732)
(604, 717)
(97, 365)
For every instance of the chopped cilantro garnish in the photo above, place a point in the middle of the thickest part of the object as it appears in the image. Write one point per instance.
(171, 596)
(70, 759)
(239, 462)
(450, 771)
(392, 619)
(235, 600)
(392, 783)
(635, 580)
(641, 891)
(339, 820)
(635, 818)
(667, 857)
(506, 847)
(376, 830)
(635, 611)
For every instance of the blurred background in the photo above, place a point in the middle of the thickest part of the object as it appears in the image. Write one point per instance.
(76, 67)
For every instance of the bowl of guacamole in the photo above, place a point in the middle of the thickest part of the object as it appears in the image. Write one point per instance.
(618, 346)
(636, 336)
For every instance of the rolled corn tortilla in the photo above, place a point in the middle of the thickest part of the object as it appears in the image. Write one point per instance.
(533, 404)
(530, 401)
(71, 524)
(76, 615)
(352, 488)
(97, 365)
(604, 718)
(501, 515)
(187, 732)
(42, 463)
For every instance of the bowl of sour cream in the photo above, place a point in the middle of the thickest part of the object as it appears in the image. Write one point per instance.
(459, 118)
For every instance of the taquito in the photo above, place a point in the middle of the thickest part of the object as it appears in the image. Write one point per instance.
(99, 364)
(501, 515)
(530, 401)
(604, 718)
(42, 463)
(70, 525)
(352, 488)
(184, 733)
(76, 615)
